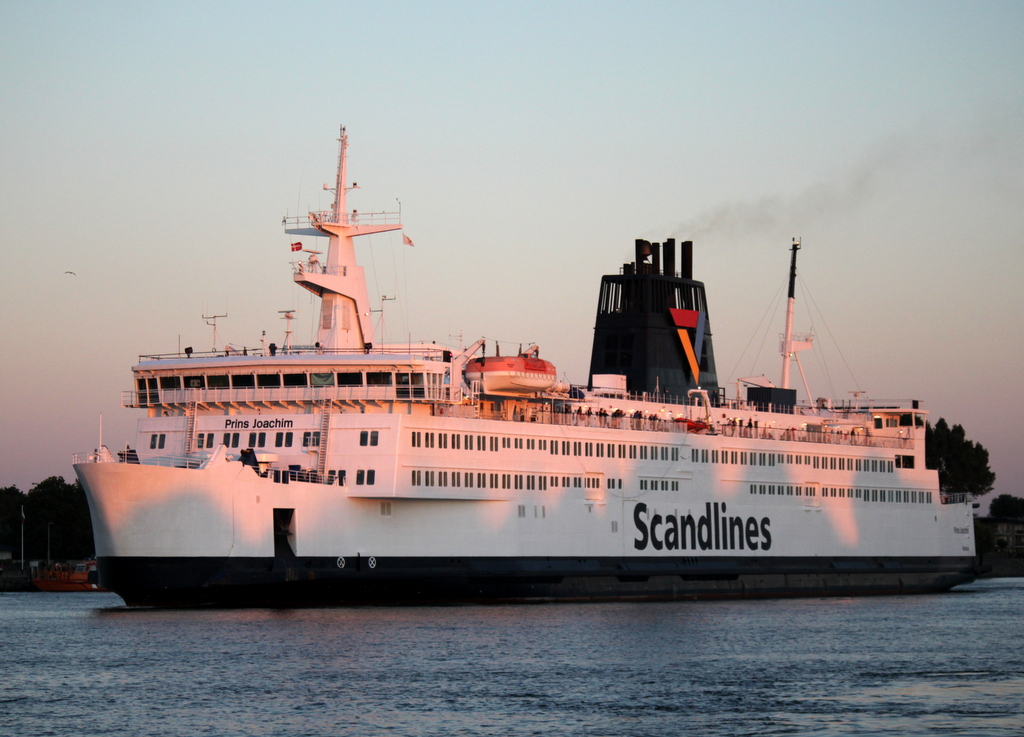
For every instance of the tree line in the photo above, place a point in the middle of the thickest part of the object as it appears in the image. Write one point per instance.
(52, 507)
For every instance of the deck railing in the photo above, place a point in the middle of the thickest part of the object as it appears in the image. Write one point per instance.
(243, 395)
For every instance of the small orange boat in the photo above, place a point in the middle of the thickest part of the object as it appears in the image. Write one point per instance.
(62, 578)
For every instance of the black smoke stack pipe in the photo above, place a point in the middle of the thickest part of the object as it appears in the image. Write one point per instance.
(643, 250)
(686, 259)
(655, 258)
(669, 257)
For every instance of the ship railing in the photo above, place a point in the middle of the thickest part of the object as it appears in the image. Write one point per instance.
(132, 457)
(960, 498)
(679, 425)
(827, 437)
(315, 267)
(582, 419)
(355, 218)
(430, 353)
(346, 218)
(293, 394)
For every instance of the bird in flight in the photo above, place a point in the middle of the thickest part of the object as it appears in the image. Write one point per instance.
(71, 272)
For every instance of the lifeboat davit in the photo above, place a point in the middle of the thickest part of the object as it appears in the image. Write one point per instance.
(525, 373)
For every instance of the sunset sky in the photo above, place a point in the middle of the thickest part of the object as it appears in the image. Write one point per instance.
(153, 148)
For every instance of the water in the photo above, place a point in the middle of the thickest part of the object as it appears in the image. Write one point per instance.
(81, 664)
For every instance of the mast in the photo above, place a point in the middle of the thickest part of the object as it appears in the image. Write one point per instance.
(787, 339)
(345, 322)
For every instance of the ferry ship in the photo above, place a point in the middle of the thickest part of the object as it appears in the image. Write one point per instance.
(352, 472)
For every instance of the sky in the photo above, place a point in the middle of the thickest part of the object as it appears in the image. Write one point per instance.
(153, 148)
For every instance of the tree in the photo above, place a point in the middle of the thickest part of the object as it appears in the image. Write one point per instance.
(11, 501)
(58, 511)
(1005, 505)
(961, 463)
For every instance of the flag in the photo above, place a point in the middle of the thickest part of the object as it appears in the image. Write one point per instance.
(407, 240)
(297, 246)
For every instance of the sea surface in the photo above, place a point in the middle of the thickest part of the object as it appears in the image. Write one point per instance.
(945, 664)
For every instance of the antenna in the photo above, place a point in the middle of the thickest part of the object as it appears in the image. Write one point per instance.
(289, 315)
(212, 320)
(383, 298)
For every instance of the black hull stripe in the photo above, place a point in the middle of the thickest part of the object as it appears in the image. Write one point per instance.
(145, 581)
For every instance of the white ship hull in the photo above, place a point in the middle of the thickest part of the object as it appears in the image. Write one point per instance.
(185, 536)
(345, 472)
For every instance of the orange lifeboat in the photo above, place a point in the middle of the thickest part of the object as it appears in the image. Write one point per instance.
(61, 578)
(525, 373)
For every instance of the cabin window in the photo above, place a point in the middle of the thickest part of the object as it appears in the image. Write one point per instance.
(230, 439)
(195, 382)
(311, 439)
(283, 439)
(379, 378)
(409, 385)
(360, 477)
(321, 379)
(243, 381)
(295, 380)
(268, 380)
(170, 382)
(219, 381)
(350, 379)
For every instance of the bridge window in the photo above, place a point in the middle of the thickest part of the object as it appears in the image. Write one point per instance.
(326, 379)
(350, 379)
(240, 381)
(217, 382)
(268, 380)
(170, 382)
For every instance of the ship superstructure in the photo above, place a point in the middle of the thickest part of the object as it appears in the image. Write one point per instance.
(355, 472)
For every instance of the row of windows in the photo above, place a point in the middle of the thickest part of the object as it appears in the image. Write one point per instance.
(840, 463)
(286, 475)
(256, 439)
(542, 509)
(245, 381)
(487, 480)
(421, 439)
(655, 484)
(904, 496)
(770, 489)
(310, 439)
